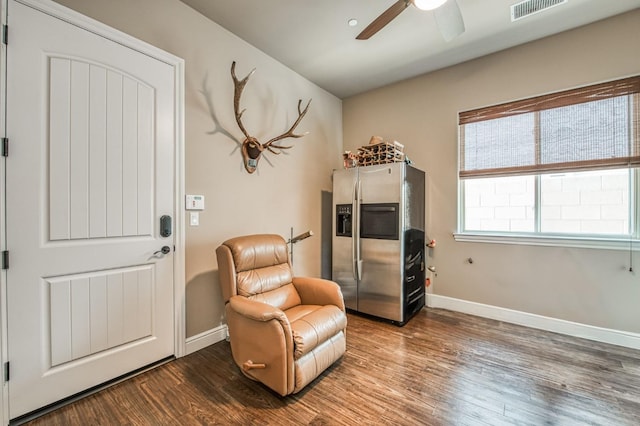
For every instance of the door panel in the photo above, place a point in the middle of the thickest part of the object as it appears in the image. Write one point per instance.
(79, 108)
(343, 261)
(380, 290)
(90, 175)
(119, 313)
(381, 183)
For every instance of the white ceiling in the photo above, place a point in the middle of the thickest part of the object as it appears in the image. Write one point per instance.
(312, 36)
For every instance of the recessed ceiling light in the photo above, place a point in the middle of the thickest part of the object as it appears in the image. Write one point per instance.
(352, 22)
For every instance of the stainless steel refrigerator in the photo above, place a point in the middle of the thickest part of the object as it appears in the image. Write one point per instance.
(378, 244)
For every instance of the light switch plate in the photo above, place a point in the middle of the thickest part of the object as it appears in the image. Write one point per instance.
(194, 202)
(194, 218)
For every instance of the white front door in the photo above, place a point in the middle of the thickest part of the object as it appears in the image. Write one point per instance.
(90, 173)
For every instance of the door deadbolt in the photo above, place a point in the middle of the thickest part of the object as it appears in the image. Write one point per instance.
(165, 226)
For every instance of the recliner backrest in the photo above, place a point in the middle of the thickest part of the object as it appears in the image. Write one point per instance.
(261, 270)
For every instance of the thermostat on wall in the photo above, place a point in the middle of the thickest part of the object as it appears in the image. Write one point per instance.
(195, 202)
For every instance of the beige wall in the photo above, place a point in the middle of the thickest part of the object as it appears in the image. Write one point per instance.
(583, 285)
(285, 194)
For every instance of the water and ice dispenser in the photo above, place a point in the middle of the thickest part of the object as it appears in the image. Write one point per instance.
(343, 220)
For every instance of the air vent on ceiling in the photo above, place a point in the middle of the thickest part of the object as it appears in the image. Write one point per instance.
(529, 7)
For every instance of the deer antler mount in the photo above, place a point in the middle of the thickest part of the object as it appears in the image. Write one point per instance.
(252, 149)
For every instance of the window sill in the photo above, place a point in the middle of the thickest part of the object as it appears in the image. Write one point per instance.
(590, 242)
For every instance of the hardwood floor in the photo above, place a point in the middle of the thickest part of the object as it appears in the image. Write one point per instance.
(442, 368)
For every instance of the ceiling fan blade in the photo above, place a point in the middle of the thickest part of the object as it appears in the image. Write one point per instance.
(382, 20)
(449, 20)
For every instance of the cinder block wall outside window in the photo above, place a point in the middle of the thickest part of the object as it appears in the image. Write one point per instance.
(595, 202)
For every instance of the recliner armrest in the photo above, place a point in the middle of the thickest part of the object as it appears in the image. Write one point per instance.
(256, 310)
(261, 334)
(318, 291)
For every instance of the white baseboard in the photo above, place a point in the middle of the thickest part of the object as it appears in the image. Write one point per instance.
(206, 338)
(599, 334)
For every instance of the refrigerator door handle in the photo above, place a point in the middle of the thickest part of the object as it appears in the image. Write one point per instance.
(356, 232)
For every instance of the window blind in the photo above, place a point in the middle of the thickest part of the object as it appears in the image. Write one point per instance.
(591, 127)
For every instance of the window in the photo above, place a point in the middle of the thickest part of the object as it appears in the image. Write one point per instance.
(558, 165)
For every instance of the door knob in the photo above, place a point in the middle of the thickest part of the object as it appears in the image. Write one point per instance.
(163, 250)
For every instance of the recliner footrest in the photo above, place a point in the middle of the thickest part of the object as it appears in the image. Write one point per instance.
(315, 328)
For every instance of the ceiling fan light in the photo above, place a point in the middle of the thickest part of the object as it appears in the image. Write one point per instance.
(428, 4)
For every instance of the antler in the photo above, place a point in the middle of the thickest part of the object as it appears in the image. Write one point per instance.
(237, 92)
(251, 148)
(288, 134)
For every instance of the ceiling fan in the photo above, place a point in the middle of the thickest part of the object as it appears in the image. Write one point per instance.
(446, 12)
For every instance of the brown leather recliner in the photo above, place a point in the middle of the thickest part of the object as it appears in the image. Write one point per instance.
(284, 330)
